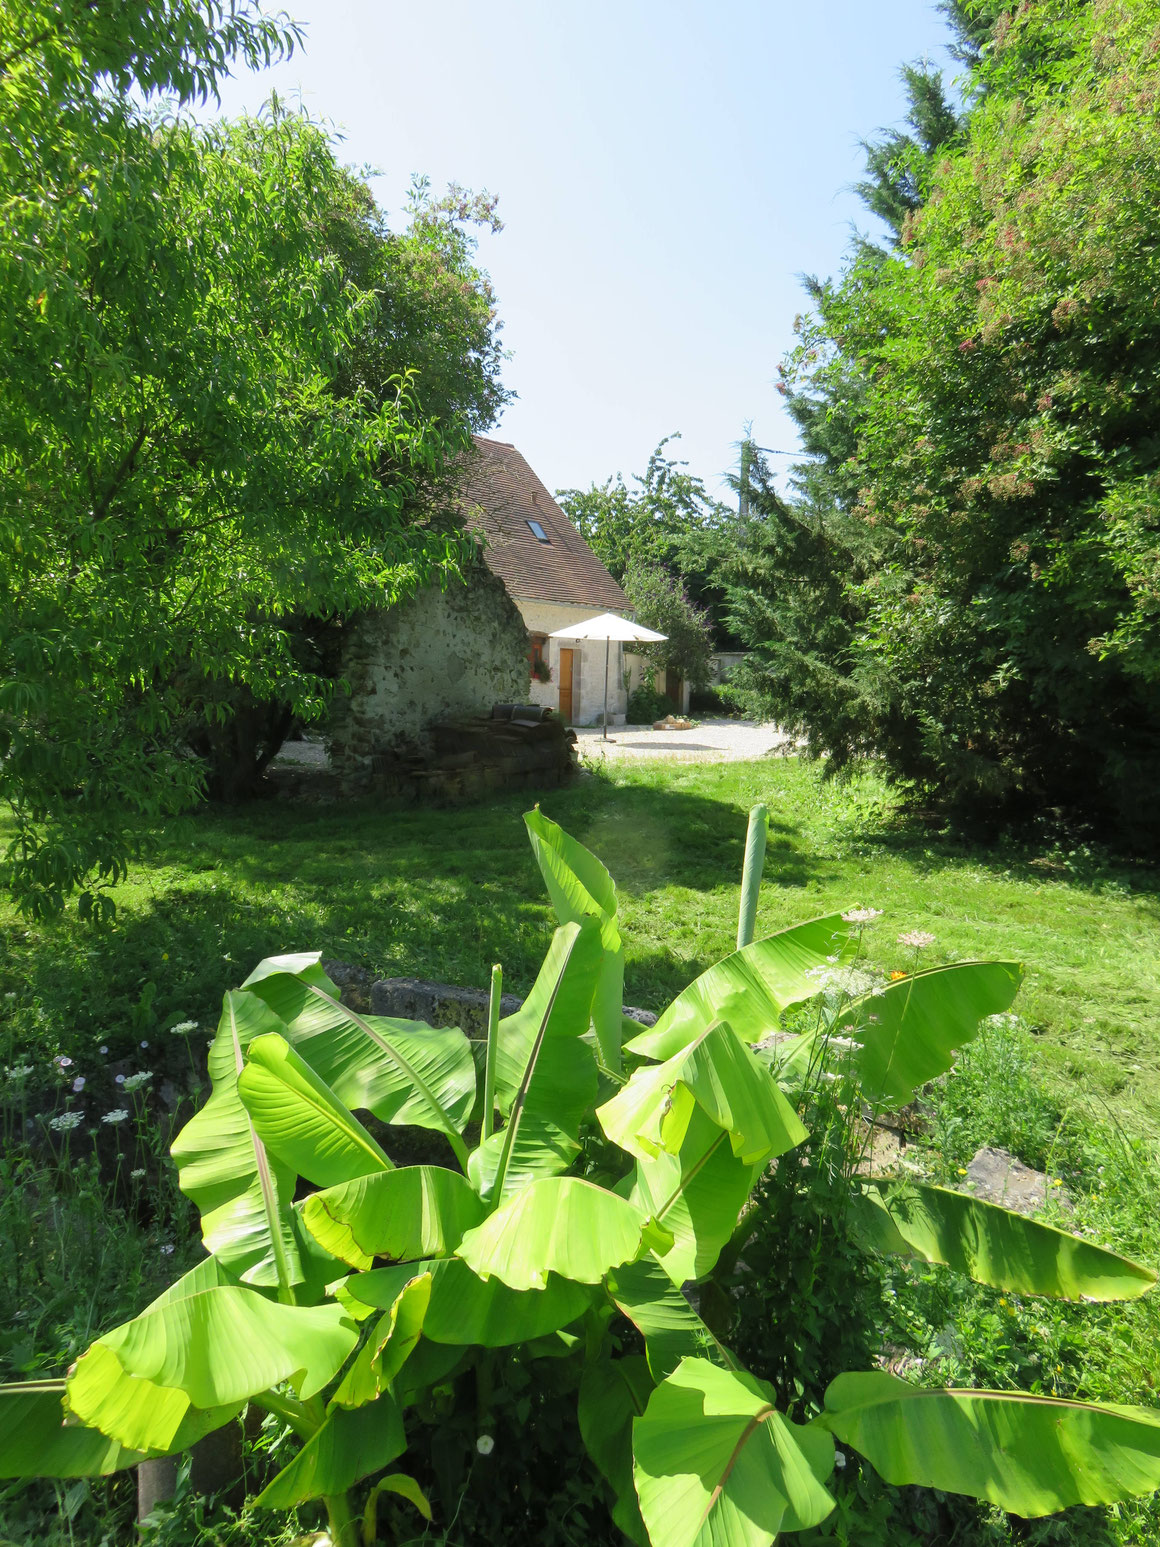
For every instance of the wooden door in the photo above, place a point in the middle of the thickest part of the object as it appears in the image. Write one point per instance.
(566, 684)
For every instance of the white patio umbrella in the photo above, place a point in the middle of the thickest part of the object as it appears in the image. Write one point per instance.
(609, 627)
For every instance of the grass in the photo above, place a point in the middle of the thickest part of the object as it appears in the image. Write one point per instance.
(443, 894)
(1073, 1086)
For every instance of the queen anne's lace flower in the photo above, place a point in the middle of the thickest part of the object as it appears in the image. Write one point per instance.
(117, 1115)
(861, 915)
(66, 1121)
(135, 1081)
(182, 1029)
(917, 939)
(848, 981)
(18, 1072)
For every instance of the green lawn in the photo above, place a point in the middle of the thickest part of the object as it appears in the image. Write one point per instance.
(443, 894)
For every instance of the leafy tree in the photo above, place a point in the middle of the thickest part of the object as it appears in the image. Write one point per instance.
(982, 406)
(667, 518)
(206, 428)
(661, 602)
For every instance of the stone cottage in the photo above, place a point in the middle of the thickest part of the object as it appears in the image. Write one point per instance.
(447, 655)
(554, 579)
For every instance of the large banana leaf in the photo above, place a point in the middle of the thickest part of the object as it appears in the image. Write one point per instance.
(417, 1211)
(910, 1031)
(1030, 1455)
(215, 1348)
(349, 1445)
(580, 887)
(651, 1113)
(697, 1194)
(402, 1071)
(559, 1225)
(751, 988)
(612, 1393)
(388, 1348)
(669, 1325)
(244, 1195)
(35, 1441)
(300, 1120)
(467, 1310)
(718, 1466)
(141, 1413)
(546, 1078)
(994, 1245)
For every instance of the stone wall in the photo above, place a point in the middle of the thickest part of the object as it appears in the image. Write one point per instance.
(441, 655)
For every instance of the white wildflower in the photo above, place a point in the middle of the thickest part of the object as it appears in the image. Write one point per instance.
(78, 1084)
(135, 1081)
(917, 939)
(117, 1115)
(119, 1079)
(104, 1048)
(144, 1044)
(850, 981)
(183, 1028)
(861, 915)
(62, 1062)
(485, 1444)
(138, 1171)
(166, 1250)
(66, 1121)
(18, 1072)
(839, 1459)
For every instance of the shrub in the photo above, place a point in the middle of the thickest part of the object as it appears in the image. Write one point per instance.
(645, 705)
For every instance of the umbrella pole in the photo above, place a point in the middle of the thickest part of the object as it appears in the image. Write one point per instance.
(607, 652)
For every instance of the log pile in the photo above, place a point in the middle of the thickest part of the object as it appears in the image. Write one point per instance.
(517, 746)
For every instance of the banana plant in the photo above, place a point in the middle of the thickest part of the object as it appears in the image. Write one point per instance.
(340, 1288)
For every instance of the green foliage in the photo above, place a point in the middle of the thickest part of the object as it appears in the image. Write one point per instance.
(567, 1248)
(667, 521)
(661, 602)
(977, 534)
(223, 388)
(646, 705)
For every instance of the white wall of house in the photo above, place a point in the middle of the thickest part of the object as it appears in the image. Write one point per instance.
(588, 663)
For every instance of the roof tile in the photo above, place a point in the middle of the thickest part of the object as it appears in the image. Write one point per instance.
(501, 494)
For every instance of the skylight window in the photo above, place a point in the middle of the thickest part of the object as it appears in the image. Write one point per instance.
(538, 532)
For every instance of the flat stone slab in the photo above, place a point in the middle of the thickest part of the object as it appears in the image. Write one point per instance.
(996, 1176)
(439, 1004)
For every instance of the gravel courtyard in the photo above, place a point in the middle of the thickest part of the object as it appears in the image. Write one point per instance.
(710, 741)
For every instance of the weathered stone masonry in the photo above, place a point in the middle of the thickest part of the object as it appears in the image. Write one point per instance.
(437, 657)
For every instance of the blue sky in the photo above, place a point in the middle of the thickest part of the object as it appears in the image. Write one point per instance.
(666, 169)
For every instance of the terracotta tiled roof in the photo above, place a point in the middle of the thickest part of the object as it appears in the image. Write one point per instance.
(500, 496)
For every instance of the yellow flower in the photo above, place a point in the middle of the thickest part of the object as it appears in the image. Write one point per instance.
(896, 976)
(1002, 1301)
(165, 956)
(962, 1170)
(1056, 1182)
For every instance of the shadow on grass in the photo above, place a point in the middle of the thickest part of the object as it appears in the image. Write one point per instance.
(401, 890)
